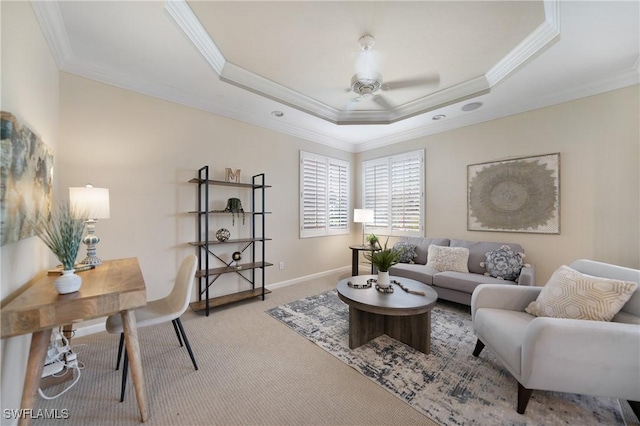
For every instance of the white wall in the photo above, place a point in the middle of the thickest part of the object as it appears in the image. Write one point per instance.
(30, 90)
(598, 139)
(145, 150)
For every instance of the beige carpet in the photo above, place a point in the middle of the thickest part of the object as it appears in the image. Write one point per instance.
(253, 371)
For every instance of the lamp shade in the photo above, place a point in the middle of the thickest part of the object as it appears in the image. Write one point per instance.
(363, 215)
(94, 202)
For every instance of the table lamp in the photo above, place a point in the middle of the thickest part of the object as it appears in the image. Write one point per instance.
(94, 203)
(362, 216)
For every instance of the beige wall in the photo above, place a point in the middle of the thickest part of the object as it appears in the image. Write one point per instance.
(598, 139)
(145, 150)
(29, 91)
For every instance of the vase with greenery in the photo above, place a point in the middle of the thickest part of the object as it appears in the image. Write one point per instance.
(372, 239)
(62, 233)
(383, 260)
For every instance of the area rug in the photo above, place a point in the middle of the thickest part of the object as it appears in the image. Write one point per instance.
(450, 385)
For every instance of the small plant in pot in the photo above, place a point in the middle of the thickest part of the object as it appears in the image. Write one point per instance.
(372, 239)
(383, 260)
(62, 233)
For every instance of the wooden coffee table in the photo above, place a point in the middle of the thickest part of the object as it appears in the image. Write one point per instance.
(403, 316)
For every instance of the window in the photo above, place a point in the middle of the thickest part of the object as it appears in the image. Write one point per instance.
(393, 189)
(324, 196)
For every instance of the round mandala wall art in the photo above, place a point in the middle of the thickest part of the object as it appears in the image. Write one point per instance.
(519, 195)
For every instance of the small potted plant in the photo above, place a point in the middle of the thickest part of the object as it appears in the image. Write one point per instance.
(62, 233)
(383, 260)
(372, 239)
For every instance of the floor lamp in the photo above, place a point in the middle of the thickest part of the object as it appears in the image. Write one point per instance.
(363, 216)
(94, 202)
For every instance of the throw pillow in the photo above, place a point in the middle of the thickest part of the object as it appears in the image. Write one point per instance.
(572, 294)
(454, 259)
(407, 252)
(503, 263)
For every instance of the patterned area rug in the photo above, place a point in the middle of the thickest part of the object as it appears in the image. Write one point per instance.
(450, 385)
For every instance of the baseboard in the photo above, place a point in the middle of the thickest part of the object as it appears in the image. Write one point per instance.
(307, 277)
(88, 329)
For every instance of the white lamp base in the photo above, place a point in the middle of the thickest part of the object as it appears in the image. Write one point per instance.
(91, 240)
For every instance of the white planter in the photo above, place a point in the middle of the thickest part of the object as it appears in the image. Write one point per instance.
(383, 280)
(68, 282)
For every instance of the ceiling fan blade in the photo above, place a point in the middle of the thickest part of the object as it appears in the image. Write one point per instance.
(380, 100)
(410, 83)
(353, 103)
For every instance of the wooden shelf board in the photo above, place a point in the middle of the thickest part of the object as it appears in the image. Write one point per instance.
(223, 212)
(237, 240)
(225, 183)
(228, 269)
(228, 298)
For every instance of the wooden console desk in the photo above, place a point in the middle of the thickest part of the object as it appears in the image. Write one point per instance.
(115, 286)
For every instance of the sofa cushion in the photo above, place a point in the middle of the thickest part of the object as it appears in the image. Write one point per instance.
(464, 282)
(572, 294)
(407, 251)
(422, 246)
(448, 258)
(503, 263)
(414, 271)
(478, 251)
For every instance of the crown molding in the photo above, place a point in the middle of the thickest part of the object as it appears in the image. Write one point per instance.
(542, 37)
(54, 31)
(230, 73)
(168, 93)
(614, 82)
(185, 19)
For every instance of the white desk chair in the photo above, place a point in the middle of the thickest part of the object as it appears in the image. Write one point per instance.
(159, 311)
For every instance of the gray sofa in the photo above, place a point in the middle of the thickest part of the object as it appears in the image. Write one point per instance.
(457, 286)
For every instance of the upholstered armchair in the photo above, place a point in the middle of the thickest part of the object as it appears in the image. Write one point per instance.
(581, 356)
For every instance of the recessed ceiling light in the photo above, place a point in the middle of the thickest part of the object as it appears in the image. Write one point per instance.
(438, 117)
(277, 114)
(472, 106)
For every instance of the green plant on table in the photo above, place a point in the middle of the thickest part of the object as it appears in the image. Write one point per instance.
(383, 259)
(372, 239)
(61, 232)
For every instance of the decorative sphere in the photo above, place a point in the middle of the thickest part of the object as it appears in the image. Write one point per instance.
(236, 256)
(223, 234)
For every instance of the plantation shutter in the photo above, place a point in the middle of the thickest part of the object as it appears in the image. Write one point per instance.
(376, 192)
(338, 196)
(393, 189)
(406, 193)
(324, 196)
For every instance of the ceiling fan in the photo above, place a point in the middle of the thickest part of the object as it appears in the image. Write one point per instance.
(367, 81)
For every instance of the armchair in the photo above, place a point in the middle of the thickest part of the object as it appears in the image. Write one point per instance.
(562, 355)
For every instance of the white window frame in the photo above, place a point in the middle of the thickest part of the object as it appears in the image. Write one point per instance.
(338, 187)
(378, 191)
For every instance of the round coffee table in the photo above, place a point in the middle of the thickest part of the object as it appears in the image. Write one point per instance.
(403, 316)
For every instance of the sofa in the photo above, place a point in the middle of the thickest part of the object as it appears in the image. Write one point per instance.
(455, 285)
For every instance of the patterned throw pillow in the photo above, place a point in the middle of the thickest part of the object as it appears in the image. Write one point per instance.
(407, 252)
(571, 294)
(504, 263)
(454, 259)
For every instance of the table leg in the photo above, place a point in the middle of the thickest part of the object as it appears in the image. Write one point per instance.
(354, 262)
(413, 330)
(133, 352)
(35, 364)
(363, 327)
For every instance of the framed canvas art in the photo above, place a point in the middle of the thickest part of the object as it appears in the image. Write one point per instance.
(26, 178)
(515, 195)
